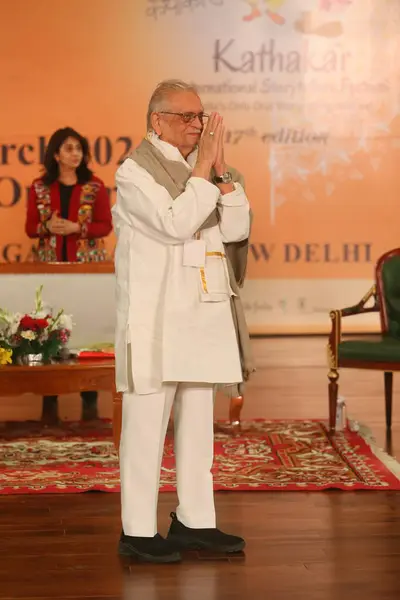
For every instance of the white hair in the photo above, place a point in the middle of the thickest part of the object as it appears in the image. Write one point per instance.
(161, 93)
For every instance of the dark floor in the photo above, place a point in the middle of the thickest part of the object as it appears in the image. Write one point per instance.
(314, 546)
(299, 546)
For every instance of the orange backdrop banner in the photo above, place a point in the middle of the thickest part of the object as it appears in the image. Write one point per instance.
(310, 95)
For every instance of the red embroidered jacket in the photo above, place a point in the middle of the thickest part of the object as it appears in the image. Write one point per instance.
(89, 205)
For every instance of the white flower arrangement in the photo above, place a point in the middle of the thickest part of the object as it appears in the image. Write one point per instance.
(37, 332)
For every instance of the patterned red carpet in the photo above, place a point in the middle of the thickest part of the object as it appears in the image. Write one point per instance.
(268, 455)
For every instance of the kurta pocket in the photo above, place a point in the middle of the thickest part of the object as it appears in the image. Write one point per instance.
(214, 279)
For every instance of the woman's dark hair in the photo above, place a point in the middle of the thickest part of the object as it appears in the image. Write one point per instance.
(50, 164)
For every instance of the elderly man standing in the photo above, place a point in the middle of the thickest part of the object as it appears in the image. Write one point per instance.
(180, 332)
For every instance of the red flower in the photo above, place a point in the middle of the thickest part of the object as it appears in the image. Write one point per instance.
(28, 322)
(41, 323)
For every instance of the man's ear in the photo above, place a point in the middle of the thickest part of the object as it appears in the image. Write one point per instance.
(155, 123)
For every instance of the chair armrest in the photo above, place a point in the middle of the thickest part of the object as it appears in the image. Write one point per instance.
(360, 308)
(335, 335)
(357, 310)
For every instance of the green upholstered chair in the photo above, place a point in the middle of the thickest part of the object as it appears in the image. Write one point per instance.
(382, 354)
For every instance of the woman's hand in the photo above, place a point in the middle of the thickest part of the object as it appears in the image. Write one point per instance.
(70, 227)
(58, 226)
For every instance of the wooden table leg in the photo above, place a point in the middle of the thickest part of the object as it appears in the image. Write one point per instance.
(117, 418)
(235, 410)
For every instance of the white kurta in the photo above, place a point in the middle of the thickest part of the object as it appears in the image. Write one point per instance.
(174, 322)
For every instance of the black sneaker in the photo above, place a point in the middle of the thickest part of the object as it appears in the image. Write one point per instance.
(155, 550)
(212, 540)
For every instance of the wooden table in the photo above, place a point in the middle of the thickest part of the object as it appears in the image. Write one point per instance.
(64, 378)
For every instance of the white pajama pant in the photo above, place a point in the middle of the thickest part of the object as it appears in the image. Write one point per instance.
(144, 423)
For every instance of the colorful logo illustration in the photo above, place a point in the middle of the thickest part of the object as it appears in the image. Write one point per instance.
(272, 10)
(314, 22)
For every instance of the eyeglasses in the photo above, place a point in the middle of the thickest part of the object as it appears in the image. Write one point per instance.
(187, 117)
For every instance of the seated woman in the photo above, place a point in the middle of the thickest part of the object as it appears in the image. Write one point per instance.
(69, 212)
